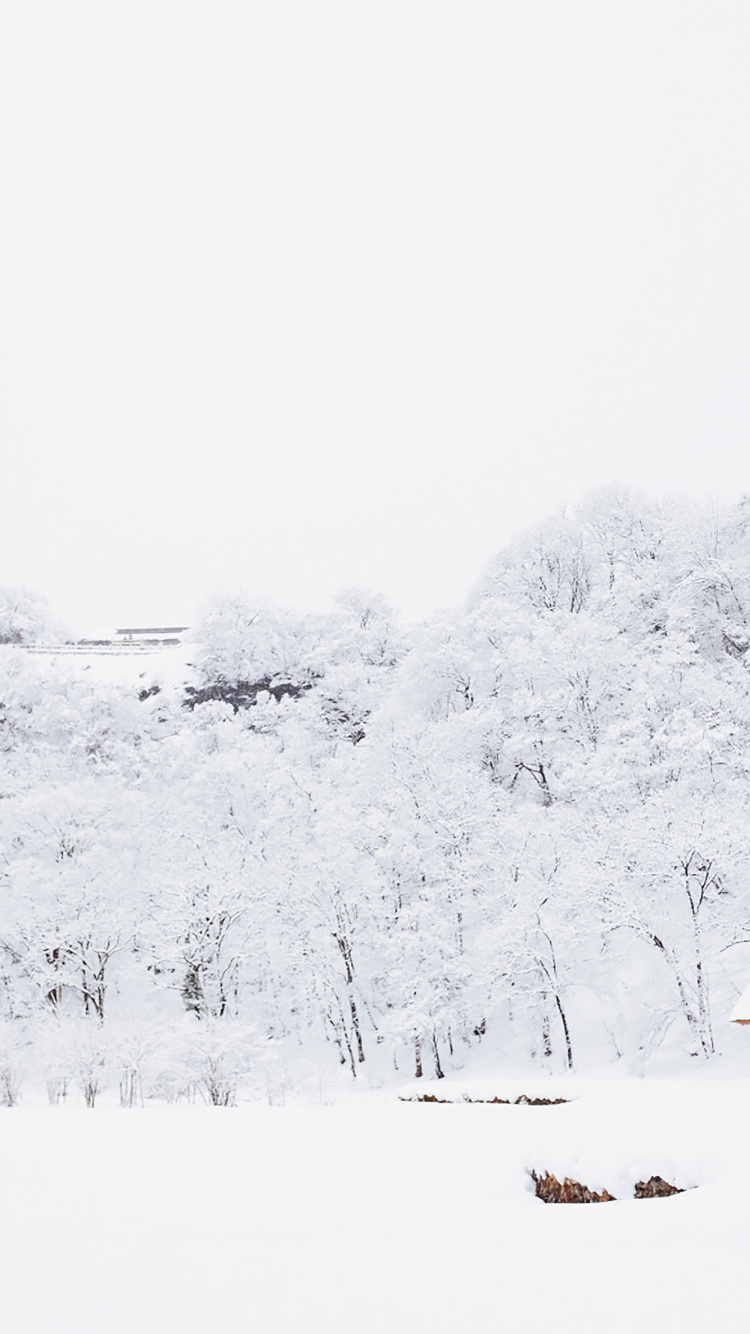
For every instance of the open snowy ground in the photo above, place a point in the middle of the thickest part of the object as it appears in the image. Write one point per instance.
(377, 1215)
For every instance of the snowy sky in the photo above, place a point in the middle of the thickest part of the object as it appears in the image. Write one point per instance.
(298, 294)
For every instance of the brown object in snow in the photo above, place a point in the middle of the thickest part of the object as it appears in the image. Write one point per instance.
(540, 1102)
(522, 1101)
(656, 1188)
(552, 1191)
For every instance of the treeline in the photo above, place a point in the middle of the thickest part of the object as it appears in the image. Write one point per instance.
(524, 825)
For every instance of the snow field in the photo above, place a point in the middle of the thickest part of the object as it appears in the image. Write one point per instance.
(374, 1215)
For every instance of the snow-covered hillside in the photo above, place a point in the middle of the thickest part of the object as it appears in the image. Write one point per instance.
(519, 832)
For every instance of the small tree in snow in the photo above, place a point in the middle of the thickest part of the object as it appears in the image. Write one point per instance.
(218, 1055)
(11, 1065)
(75, 1051)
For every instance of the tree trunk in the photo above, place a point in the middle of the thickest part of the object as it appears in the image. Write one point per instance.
(566, 1031)
(546, 1035)
(701, 989)
(693, 1020)
(355, 1027)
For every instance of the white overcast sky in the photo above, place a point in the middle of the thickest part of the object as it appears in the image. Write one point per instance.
(299, 294)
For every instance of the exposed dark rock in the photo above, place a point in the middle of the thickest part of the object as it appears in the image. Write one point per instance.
(243, 694)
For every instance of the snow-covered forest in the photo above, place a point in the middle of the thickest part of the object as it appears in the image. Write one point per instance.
(363, 845)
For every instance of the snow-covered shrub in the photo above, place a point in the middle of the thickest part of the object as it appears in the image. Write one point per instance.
(140, 1052)
(75, 1051)
(11, 1064)
(219, 1054)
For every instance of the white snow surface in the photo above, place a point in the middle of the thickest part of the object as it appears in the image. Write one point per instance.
(378, 1215)
(741, 1011)
(171, 666)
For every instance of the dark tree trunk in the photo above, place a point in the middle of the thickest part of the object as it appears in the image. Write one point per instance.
(566, 1031)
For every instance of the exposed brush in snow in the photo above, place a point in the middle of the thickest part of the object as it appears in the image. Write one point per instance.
(522, 1101)
(552, 1191)
(655, 1188)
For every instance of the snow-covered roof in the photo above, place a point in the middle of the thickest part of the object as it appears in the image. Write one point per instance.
(741, 1012)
